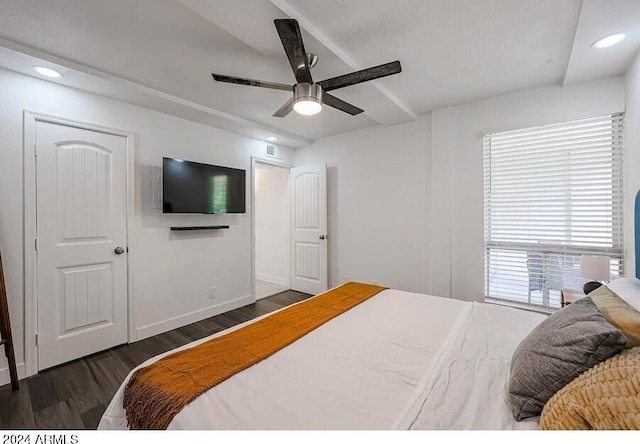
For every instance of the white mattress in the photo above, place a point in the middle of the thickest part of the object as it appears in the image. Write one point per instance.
(398, 360)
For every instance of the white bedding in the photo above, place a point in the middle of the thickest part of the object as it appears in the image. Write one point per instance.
(398, 360)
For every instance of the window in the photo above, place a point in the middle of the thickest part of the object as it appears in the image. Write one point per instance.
(551, 194)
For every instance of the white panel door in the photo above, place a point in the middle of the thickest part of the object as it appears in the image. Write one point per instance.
(309, 229)
(81, 242)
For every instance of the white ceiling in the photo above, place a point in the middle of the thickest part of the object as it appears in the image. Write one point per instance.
(160, 53)
(598, 19)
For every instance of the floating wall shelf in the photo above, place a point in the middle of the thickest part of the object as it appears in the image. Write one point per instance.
(209, 227)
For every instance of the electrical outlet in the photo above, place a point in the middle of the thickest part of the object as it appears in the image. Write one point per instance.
(212, 292)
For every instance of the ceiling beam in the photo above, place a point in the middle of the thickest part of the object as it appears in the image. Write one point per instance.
(339, 52)
(573, 46)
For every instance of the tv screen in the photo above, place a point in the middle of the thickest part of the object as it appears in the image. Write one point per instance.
(191, 187)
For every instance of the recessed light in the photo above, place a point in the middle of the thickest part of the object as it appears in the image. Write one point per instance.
(272, 138)
(48, 72)
(609, 40)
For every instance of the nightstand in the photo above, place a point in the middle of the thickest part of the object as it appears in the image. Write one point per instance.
(569, 295)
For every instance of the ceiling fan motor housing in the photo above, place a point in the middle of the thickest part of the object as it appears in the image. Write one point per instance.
(307, 92)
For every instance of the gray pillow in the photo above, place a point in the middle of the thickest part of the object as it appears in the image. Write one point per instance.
(566, 344)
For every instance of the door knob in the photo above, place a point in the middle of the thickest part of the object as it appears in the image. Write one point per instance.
(119, 250)
(321, 237)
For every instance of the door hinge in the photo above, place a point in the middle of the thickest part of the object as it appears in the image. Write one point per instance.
(35, 244)
(36, 339)
(35, 150)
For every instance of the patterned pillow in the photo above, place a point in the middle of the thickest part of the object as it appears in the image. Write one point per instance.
(628, 289)
(607, 397)
(618, 313)
(559, 349)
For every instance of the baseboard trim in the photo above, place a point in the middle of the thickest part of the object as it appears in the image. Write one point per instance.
(147, 331)
(5, 378)
(283, 282)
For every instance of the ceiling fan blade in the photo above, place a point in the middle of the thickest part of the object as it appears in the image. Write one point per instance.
(361, 76)
(251, 82)
(286, 109)
(291, 38)
(340, 104)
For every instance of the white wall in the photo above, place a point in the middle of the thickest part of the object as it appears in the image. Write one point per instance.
(378, 200)
(632, 158)
(438, 227)
(406, 202)
(272, 224)
(171, 272)
(466, 126)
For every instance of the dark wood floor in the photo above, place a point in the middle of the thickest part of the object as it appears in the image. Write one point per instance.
(74, 395)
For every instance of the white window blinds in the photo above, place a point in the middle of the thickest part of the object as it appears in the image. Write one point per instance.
(551, 194)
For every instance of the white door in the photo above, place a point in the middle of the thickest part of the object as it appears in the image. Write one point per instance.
(81, 242)
(309, 229)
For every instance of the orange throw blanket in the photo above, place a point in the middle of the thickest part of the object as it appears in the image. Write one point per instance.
(158, 392)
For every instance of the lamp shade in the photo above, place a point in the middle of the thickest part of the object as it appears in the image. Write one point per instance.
(595, 267)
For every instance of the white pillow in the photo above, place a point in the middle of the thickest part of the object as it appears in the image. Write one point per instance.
(628, 289)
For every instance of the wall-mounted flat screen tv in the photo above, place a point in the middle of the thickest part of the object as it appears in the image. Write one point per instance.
(191, 187)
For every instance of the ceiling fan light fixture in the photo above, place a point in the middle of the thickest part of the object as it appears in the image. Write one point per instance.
(307, 107)
(307, 98)
(609, 40)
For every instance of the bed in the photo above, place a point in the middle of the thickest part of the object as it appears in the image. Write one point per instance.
(402, 360)
(399, 360)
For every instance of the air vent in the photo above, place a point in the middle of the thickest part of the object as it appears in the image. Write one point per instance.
(274, 151)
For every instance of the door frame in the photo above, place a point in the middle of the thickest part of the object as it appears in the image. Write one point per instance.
(30, 258)
(275, 163)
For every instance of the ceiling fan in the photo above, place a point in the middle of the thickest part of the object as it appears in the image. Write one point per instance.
(308, 96)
